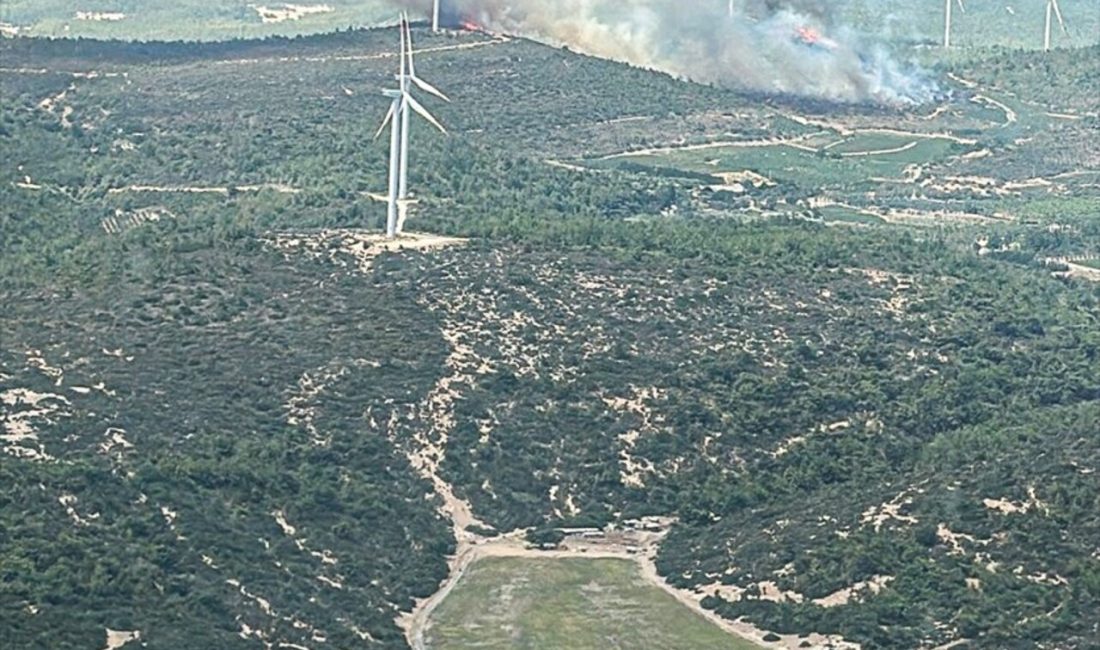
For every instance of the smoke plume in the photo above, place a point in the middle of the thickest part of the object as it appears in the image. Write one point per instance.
(779, 46)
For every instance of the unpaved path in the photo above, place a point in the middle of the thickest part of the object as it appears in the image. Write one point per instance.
(190, 189)
(878, 152)
(1010, 115)
(799, 142)
(720, 144)
(1081, 271)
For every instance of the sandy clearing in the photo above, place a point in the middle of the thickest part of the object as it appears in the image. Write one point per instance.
(974, 155)
(118, 638)
(288, 12)
(745, 176)
(51, 103)
(955, 540)
(280, 518)
(20, 428)
(633, 470)
(844, 596)
(877, 516)
(69, 502)
(1006, 507)
(300, 406)
(100, 16)
(114, 438)
(337, 245)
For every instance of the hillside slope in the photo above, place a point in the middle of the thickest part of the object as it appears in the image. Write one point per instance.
(229, 420)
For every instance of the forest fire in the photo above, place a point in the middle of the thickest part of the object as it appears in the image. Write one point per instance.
(780, 46)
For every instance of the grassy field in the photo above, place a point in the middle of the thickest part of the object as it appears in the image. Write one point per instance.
(842, 214)
(567, 603)
(851, 162)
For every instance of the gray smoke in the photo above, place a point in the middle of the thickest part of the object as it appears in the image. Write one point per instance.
(779, 46)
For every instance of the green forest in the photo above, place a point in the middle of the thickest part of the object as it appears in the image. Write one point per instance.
(883, 369)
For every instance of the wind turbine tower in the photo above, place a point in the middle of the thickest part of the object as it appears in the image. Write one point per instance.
(947, 11)
(410, 102)
(435, 16)
(398, 118)
(1055, 10)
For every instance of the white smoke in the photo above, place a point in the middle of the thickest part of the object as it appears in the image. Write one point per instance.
(775, 46)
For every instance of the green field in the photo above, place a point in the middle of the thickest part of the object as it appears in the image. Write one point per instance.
(567, 603)
(844, 214)
(852, 162)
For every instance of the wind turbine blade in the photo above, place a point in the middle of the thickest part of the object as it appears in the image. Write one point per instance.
(403, 48)
(962, 6)
(1058, 13)
(428, 88)
(386, 121)
(423, 112)
(407, 39)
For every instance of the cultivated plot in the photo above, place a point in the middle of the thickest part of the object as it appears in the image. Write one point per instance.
(568, 603)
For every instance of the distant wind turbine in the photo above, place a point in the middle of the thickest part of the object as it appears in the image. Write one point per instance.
(1052, 8)
(948, 8)
(398, 118)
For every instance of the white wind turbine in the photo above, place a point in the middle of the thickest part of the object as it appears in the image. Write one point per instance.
(948, 8)
(398, 118)
(435, 16)
(1052, 9)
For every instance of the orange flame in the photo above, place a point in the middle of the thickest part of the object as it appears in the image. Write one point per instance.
(809, 35)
